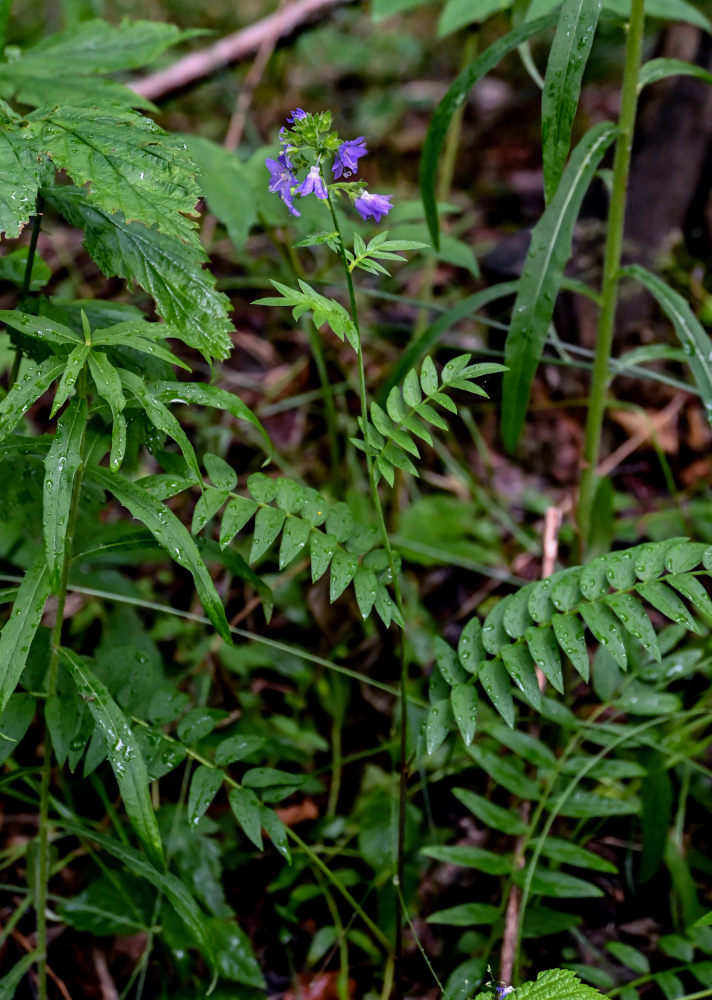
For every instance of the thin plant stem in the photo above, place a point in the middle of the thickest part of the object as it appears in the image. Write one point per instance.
(611, 269)
(27, 276)
(43, 833)
(403, 699)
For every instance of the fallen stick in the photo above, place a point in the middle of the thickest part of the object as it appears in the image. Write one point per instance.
(230, 49)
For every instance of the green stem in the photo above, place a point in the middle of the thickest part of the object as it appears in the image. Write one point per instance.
(403, 696)
(611, 268)
(27, 276)
(43, 833)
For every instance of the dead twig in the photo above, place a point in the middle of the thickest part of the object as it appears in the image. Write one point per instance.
(230, 49)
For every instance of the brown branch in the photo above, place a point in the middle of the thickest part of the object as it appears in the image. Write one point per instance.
(230, 49)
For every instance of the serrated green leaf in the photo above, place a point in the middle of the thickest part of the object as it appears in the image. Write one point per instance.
(131, 165)
(167, 268)
(549, 250)
(568, 56)
(20, 163)
(447, 107)
(343, 570)
(124, 754)
(204, 786)
(246, 807)
(295, 538)
(268, 524)
(464, 702)
(19, 630)
(62, 464)
(237, 513)
(544, 651)
(557, 984)
(438, 724)
(171, 535)
(572, 639)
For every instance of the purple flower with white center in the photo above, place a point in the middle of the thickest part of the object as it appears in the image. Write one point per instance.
(503, 991)
(346, 156)
(282, 180)
(296, 115)
(313, 182)
(373, 206)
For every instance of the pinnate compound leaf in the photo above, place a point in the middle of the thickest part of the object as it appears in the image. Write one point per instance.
(131, 166)
(321, 549)
(343, 570)
(464, 702)
(571, 637)
(62, 464)
(19, 630)
(562, 85)
(695, 340)
(171, 535)
(204, 786)
(635, 621)
(365, 587)
(238, 512)
(549, 250)
(438, 724)
(163, 265)
(495, 681)
(544, 651)
(452, 101)
(604, 626)
(124, 754)
(667, 603)
(268, 524)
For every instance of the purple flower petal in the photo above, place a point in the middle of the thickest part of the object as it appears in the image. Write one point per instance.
(313, 182)
(296, 115)
(282, 180)
(346, 156)
(373, 206)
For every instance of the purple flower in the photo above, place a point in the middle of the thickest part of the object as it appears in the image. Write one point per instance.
(373, 205)
(296, 114)
(503, 991)
(313, 182)
(346, 156)
(282, 180)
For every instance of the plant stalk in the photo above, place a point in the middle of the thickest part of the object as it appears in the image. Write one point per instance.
(611, 269)
(403, 702)
(43, 833)
(27, 276)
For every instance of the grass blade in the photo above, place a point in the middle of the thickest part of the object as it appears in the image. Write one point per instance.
(124, 754)
(549, 250)
(451, 102)
(562, 86)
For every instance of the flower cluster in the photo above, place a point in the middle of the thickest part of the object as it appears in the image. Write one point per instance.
(305, 146)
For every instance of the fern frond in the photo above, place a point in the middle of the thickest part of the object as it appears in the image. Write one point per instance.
(390, 433)
(303, 522)
(531, 628)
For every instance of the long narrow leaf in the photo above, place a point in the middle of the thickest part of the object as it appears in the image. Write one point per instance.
(25, 392)
(124, 754)
(19, 630)
(171, 887)
(541, 279)
(169, 533)
(451, 102)
(61, 466)
(696, 342)
(562, 86)
(659, 69)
